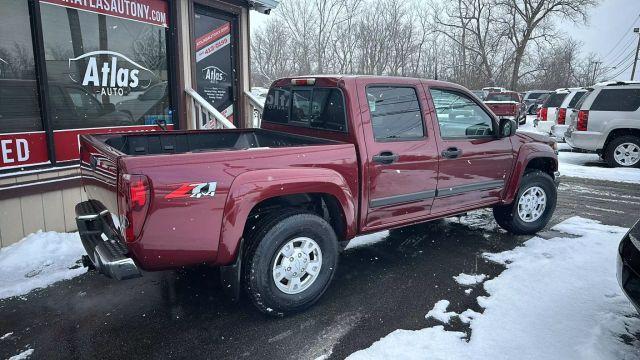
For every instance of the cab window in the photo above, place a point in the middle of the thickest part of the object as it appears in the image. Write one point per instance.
(459, 116)
(395, 113)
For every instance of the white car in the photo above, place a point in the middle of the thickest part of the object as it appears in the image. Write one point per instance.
(547, 112)
(566, 109)
(608, 123)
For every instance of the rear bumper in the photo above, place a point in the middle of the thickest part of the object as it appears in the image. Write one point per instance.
(545, 126)
(628, 270)
(558, 131)
(585, 140)
(104, 246)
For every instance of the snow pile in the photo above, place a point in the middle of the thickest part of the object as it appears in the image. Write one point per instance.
(23, 355)
(590, 166)
(365, 240)
(469, 280)
(439, 312)
(557, 299)
(38, 261)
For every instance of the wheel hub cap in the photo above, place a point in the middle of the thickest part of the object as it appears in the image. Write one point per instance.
(627, 154)
(532, 204)
(297, 265)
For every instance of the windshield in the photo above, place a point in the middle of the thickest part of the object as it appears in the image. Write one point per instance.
(502, 97)
(554, 100)
(575, 99)
(534, 95)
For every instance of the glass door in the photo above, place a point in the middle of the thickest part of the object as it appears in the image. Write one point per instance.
(215, 71)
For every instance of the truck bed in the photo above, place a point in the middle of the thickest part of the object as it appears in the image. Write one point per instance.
(177, 142)
(258, 162)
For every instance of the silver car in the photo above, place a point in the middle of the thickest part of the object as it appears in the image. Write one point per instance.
(608, 122)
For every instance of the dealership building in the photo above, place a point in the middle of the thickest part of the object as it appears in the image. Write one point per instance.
(72, 67)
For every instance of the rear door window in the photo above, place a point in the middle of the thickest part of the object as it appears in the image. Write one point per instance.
(395, 113)
(617, 100)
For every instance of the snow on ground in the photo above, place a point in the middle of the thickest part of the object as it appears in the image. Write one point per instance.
(590, 166)
(585, 165)
(23, 355)
(469, 280)
(557, 299)
(368, 239)
(38, 261)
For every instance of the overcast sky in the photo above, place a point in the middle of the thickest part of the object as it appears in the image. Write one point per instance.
(609, 33)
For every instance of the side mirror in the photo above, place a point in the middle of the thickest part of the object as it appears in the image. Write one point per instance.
(507, 128)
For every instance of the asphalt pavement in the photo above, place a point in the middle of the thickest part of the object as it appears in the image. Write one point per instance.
(377, 289)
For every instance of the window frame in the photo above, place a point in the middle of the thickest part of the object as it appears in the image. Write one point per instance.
(300, 124)
(425, 134)
(494, 122)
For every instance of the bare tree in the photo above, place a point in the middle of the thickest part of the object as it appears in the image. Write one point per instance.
(531, 20)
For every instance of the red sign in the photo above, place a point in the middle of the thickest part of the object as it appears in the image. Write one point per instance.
(68, 144)
(153, 12)
(210, 37)
(22, 149)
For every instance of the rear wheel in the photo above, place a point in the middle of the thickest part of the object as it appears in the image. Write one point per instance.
(623, 151)
(533, 207)
(290, 261)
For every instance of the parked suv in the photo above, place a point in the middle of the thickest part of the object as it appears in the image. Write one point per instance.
(528, 105)
(566, 109)
(608, 122)
(547, 112)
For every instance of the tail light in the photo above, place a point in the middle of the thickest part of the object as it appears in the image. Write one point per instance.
(543, 114)
(134, 198)
(583, 120)
(302, 82)
(562, 116)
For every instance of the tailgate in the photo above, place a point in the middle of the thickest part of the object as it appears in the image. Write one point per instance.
(98, 167)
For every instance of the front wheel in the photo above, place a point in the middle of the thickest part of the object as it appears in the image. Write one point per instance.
(290, 261)
(533, 207)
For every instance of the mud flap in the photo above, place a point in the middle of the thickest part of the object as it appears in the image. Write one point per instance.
(230, 277)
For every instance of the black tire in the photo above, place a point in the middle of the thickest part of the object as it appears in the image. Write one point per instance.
(507, 215)
(609, 154)
(263, 244)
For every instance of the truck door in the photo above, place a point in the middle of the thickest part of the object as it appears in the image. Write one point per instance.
(400, 172)
(474, 163)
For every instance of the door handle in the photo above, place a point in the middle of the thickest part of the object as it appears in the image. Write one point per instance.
(451, 153)
(385, 157)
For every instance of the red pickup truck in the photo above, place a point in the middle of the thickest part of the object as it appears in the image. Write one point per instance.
(336, 157)
(504, 104)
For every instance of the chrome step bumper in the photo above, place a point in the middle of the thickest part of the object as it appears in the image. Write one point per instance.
(105, 249)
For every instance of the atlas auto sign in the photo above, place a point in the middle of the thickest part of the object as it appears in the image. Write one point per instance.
(109, 76)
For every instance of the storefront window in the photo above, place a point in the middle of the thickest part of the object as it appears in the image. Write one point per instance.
(22, 139)
(104, 70)
(19, 109)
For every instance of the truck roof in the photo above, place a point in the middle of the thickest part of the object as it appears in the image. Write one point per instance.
(336, 78)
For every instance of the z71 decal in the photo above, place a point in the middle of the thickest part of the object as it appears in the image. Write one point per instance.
(193, 190)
